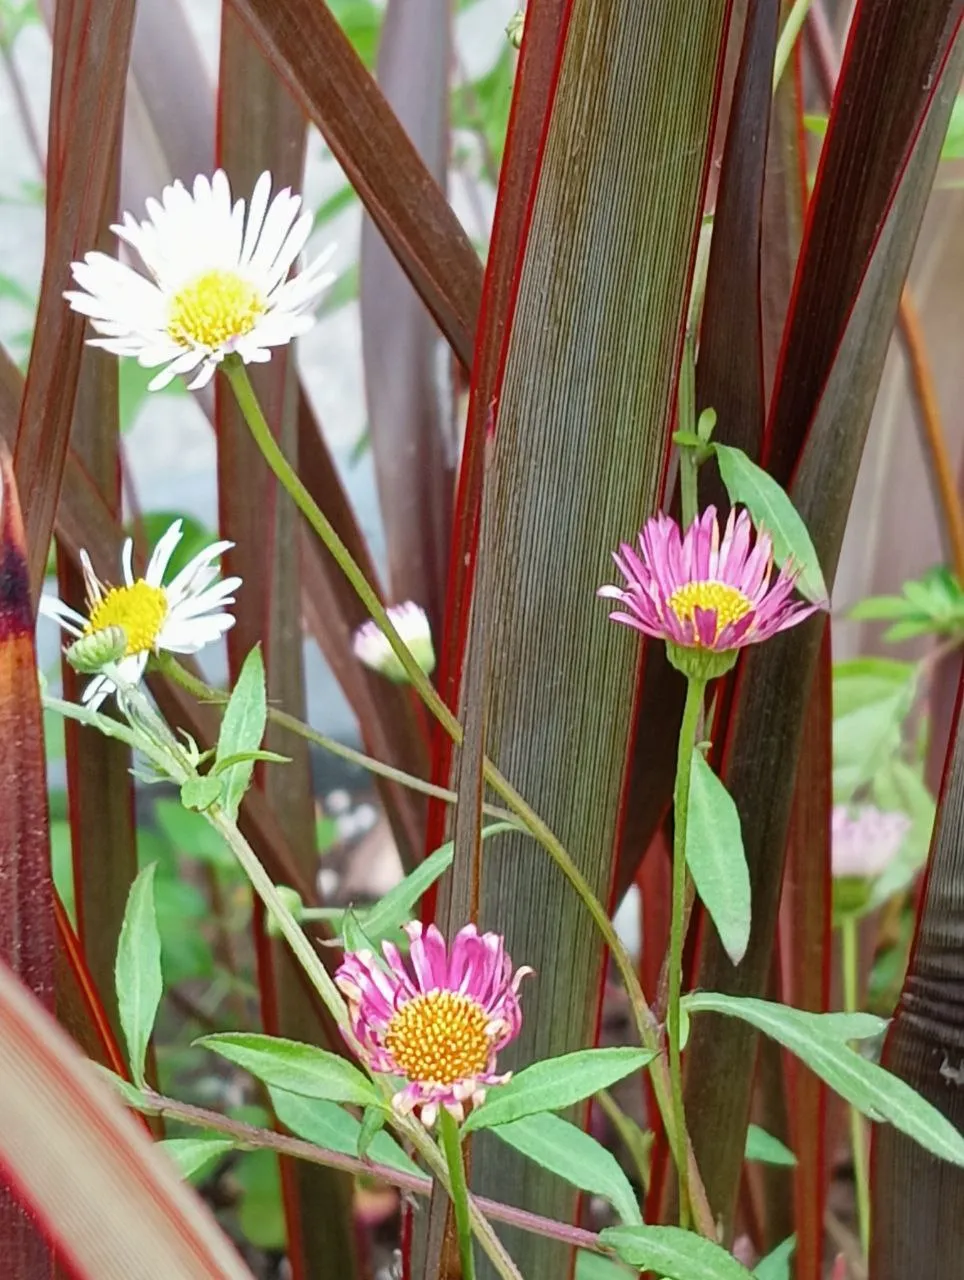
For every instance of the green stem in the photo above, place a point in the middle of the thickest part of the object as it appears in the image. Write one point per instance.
(681, 798)
(234, 370)
(788, 38)
(452, 1146)
(848, 940)
(169, 665)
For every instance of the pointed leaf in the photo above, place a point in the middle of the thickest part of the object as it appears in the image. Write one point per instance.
(715, 857)
(673, 1253)
(566, 1151)
(138, 971)
(771, 509)
(877, 1093)
(194, 1156)
(242, 730)
(330, 1126)
(776, 1265)
(762, 1146)
(373, 1122)
(555, 1084)
(593, 1266)
(298, 1068)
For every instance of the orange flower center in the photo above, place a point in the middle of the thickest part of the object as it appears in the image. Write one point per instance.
(728, 603)
(439, 1038)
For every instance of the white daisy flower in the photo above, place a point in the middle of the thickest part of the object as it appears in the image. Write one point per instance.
(411, 623)
(216, 281)
(181, 617)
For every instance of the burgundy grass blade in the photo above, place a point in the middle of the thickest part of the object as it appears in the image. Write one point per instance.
(774, 682)
(535, 84)
(408, 383)
(95, 37)
(805, 948)
(100, 793)
(26, 891)
(317, 62)
(581, 438)
(915, 1197)
(130, 1216)
(261, 127)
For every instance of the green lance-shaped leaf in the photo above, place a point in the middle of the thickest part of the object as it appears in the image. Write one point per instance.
(194, 1156)
(556, 1083)
(137, 971)
(330, 1126)
(372, 1124)
(768, 504)
(762, 1146)
(673, 1253)
(715, 857)
(870, 1088)
(566, 1151)
(242, 729)
(776, 1265)
(299, 1068)
(392, 910)
(594, 1266)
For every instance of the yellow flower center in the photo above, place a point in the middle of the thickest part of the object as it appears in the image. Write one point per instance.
(213, 309)
(139, 609)
(729, 604)
(439, 1038)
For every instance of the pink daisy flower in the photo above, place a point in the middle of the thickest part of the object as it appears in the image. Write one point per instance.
(439, 1020)
(866, 840)
(704, 595)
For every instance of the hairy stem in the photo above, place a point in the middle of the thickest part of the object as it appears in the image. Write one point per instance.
(452, 1147)
(858, 1137)
(681, 798)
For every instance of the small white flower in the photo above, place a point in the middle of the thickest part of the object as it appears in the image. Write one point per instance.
(373, 649)
(865, 841)
(216, 283)
(181, 617)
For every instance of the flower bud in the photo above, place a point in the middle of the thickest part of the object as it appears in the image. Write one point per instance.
(91, 653)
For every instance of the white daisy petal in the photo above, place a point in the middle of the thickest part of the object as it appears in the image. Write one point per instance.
(181, 618)
(214, 280)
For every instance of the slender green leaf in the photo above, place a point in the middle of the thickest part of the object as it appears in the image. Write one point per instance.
(776, 1265)
(373, 1122)
(715, 857)
(242, 729)
(593, 1266)
(242, 757)
(355, 935)
(137, 971)
(330, 1126)
(299, 1068)
(566, 1151)
(673, 1253)
(762, 1146)
(556, 1083)
(392, 910)
(768, 504)
(868, 1087)
(194, 1156)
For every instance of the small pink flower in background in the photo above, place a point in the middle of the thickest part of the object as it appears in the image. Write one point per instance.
(866, 840)
(439, 1020)
(697, 592)
(372, 648)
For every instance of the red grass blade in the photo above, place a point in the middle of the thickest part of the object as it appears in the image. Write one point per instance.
(314, 57)
(260, 126)
(26, 890)
(774, 682)
(95, 38)
(410, 397)
(535, 85)
(805, 946)
(129, 1217)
